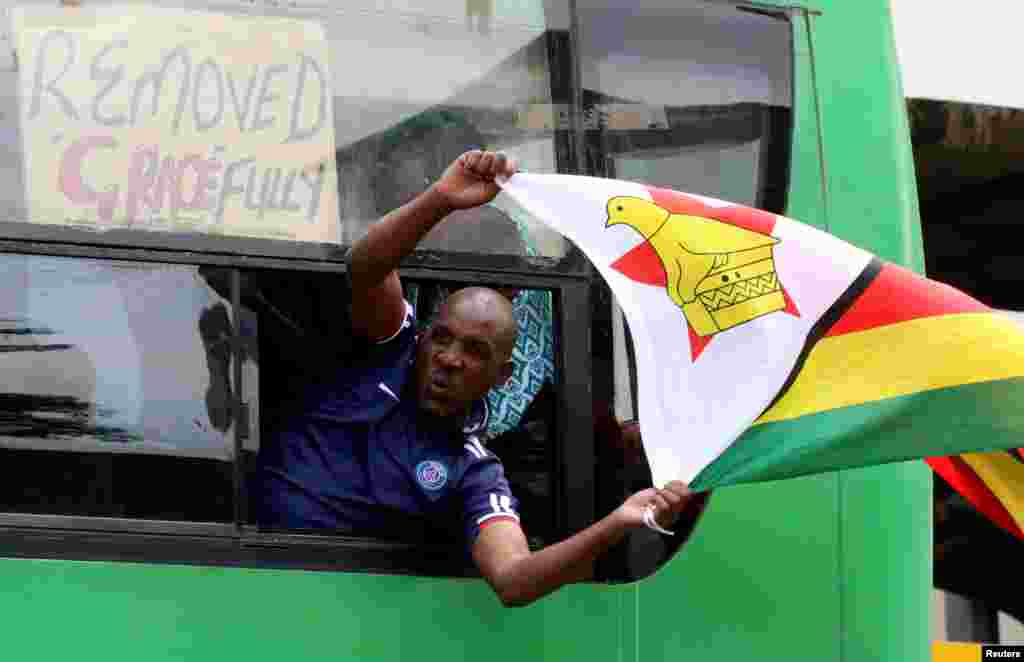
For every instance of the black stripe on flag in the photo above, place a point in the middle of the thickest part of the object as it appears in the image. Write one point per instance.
(835, 312)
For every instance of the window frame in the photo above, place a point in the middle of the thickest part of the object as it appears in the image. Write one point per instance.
(239, 544)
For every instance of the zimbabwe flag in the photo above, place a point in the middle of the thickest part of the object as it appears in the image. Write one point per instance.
(992, 482)
(767, 349)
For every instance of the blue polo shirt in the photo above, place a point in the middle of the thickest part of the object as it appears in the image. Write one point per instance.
(361, 458)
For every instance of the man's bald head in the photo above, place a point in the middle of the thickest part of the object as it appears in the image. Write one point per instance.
(483, 303)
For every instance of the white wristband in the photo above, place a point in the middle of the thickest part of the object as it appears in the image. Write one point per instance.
(651, 523)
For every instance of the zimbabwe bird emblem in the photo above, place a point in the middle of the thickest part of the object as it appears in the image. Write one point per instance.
(719, 274)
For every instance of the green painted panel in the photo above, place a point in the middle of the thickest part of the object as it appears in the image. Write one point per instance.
(871, 184)
(58, 610)
(758, 581)
(886, 562)
(806, 197)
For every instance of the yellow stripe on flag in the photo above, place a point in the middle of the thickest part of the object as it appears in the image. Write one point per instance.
(1004, 476)
(901, 359)
(954, 651)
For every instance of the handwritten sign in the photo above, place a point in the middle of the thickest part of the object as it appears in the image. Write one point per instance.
(185, 121)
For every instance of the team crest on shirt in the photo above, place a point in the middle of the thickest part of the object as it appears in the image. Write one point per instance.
(431, 475)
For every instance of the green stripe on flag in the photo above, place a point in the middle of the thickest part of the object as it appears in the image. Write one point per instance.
(948, 421)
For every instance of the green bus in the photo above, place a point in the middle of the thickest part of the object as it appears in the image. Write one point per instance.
(181, 179)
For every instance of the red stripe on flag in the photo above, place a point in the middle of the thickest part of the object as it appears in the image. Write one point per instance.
(961, 477)
(899, 295)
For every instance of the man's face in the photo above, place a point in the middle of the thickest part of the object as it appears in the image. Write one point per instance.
(460, 357)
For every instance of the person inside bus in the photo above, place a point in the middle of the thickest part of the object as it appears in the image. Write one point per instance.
(389, 446)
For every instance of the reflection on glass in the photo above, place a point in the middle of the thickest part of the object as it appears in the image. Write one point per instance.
(139, 353)
(395, 91)
(102, 358)
(689, 96)
(438, 89)
(270, 120)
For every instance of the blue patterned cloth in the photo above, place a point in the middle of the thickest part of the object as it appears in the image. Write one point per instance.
(534, 362)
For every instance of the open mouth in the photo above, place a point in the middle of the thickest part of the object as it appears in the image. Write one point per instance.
(439, 382)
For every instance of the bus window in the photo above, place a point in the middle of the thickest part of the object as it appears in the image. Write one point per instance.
(266, 121)
(691, 96)
(444, 83)
(304, 340)
(116, 398)
(235, 143)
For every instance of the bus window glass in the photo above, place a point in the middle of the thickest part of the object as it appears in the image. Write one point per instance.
(305, 343)
(448, 77)
(271, 120)
(116, 398)
(689, 96)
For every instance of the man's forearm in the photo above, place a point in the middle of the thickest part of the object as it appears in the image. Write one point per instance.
(394, 237)
(535, 575)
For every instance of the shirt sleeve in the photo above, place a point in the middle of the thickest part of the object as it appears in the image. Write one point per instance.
(486, 498)
(408, 325)
(386, 351)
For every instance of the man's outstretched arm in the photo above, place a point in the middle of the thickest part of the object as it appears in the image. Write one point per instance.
(520, 577)
(377, 308)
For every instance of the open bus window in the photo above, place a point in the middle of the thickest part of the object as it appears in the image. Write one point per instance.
(690, 95)
(304, 340)
(116, 396)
